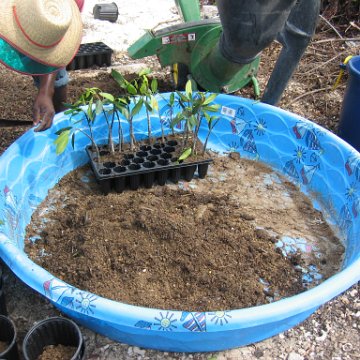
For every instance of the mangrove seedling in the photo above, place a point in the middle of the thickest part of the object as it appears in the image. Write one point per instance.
(91, 103)
(211, 121)
(116, 105)
(169, 113)
(84, 106)
(195, 106)
(139, 92)
(130, 104)
(148, 95)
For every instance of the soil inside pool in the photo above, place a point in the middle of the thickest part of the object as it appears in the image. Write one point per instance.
(241, 237)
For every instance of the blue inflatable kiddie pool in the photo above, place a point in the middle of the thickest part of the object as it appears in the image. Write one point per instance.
(312, 157)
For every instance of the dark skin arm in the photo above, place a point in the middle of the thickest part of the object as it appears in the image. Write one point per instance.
(43, 109)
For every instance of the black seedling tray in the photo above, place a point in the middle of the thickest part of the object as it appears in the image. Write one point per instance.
(150, 165)
(90, 54)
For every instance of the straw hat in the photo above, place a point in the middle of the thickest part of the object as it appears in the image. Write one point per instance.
(45, 31)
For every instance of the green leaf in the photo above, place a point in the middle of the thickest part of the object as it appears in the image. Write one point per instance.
(61, 142)
(188, 88)
(182, 97)
(107, 96)
(210, 99)
(145, 71)
(179, 117)
(154, 86)
(119, 78)
(192, 122)
(122, 102)
(136, 109)
(172, 99)
(185, 154)
(89, 110)
(67, 105)
(148, 106)
(195, 109)
(214, 120)
(125, 112)
(143, 89)
(60, 131)
(99, 107)
(212, 108)
(198, 99)
(2, 222)
(154, 103)
(131, 89)
(208, 118)
(91, 93)
(145, 81)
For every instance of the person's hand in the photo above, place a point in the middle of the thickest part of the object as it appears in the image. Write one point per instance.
(43, 111)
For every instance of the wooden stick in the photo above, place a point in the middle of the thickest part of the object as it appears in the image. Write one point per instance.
(322, 64)
(308, 93)
(332, 26)
(335, 39)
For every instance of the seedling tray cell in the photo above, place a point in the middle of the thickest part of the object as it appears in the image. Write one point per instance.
(90, 54)
(151, 165)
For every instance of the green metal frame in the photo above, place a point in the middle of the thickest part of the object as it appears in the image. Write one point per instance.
(173, 44)
(189, 9)
(194, 43)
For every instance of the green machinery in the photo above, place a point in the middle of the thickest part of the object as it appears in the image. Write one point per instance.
(223, 55)
(185, 46)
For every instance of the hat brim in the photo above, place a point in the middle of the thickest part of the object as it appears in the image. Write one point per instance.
(57, 56)
(19, 62)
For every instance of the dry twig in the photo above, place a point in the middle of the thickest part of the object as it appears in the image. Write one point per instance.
(323, 63)
(352, 23)
(335, 39)
(332, 26)
(307, 94)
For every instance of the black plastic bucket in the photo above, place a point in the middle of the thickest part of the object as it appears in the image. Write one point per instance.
(107, 12)
(53, 331)
(8, 336)
(3, 310)
(349, 126)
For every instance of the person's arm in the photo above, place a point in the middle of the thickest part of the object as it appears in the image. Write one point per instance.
(43, 110)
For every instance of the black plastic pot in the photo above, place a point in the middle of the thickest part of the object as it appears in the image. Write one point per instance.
(202, 170)
(151, 165)
(3, 310)
(107, 12)
(90, 54)
(53, 331)
(8, 335)
(188, 172)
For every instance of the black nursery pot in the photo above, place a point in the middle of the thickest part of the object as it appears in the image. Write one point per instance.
(53, 331)
(107, 12)
(150, 165)
(8, 336)
(3, 310)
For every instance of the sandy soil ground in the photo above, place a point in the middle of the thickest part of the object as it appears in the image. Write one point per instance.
(333, 331)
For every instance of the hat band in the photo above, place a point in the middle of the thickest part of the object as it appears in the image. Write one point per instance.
(28, 37)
